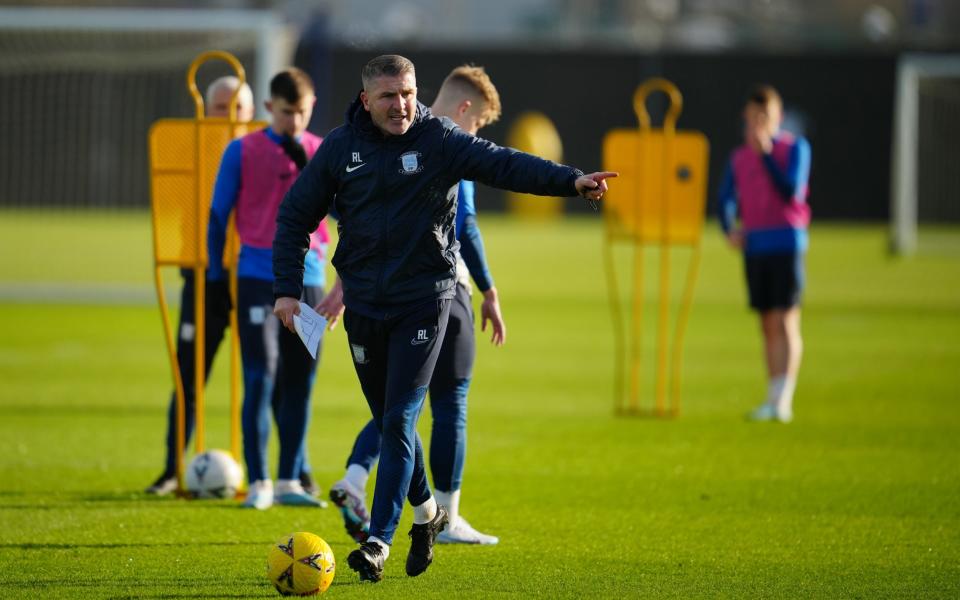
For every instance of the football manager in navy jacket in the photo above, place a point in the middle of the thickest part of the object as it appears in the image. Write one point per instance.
(390, 174)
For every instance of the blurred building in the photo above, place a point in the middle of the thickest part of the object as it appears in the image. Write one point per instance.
(765, 25)
(577, 61)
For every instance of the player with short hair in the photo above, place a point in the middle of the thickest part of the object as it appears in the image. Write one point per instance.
(255, 173)
(217, 310)
(392, 173)
(766, 184)
(471, 101)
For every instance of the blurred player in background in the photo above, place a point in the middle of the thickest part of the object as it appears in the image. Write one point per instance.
(470, 100)
(766, 185)
(255, 173)
(217, 309)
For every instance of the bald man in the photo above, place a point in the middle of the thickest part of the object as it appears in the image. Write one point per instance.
(219, 94)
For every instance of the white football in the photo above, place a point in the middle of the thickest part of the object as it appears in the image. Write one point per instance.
(214, 474)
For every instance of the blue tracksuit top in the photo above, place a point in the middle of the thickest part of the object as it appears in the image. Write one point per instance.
(471, 242)
(396, 197)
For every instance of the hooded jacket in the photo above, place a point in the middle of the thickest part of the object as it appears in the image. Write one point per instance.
(396, 199)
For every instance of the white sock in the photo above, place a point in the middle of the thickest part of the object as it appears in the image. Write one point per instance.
(785, 401)
(425, 512)
(357, 477)
(775, 390)
(383, 545)
(288, 486)
(450, 501)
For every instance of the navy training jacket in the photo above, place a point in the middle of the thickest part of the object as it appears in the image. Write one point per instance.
(396, 199)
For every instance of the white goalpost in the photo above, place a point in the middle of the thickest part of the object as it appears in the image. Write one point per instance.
(271, 41)
(912, 71)
(79, 88)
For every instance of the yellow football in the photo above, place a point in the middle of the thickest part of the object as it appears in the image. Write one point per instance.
(301, 564)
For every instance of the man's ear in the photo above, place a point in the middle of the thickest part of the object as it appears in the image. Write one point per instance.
(463, 107)
(363, 100)
(269, 105)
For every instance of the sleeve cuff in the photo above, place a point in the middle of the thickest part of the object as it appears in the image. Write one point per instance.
(577, 174)
(277, 294)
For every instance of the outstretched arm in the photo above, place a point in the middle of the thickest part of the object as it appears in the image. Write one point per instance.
(478, 159)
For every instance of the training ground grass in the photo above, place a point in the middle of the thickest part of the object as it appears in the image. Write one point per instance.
(859, 497)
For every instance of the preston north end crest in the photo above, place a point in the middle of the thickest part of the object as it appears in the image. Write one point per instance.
(359, 354)
(410, 163)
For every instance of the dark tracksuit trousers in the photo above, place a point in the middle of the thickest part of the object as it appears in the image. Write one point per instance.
(395, 358)
(448, 403)
(274, 361)
(217, 318)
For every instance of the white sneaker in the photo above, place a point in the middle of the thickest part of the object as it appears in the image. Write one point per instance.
(353, 508)
(291, 493)
(260, 495)
(765, 412)
(460, 532)
(163, 486)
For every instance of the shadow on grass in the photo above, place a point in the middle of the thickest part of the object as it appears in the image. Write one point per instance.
(142, 497)
(79, 500)
(185, 587)
(194, 594)
(108, 546)
(58, 411)
(267, 587)
(191, 588)
(188, 595)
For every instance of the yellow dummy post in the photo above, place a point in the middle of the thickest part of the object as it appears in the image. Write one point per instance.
(658, 201)
(184, 159)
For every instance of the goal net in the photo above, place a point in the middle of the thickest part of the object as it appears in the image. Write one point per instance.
(79, 89)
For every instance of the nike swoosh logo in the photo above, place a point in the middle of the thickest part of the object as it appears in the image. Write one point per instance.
(352, 169)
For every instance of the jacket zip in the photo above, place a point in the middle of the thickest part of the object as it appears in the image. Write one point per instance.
(383, 227)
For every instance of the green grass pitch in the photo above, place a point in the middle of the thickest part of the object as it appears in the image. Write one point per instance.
(859, 497)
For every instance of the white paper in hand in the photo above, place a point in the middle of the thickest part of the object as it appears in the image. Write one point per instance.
(309, 325)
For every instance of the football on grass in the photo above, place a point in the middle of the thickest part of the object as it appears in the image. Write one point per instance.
(300, 564)
(213, 474)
